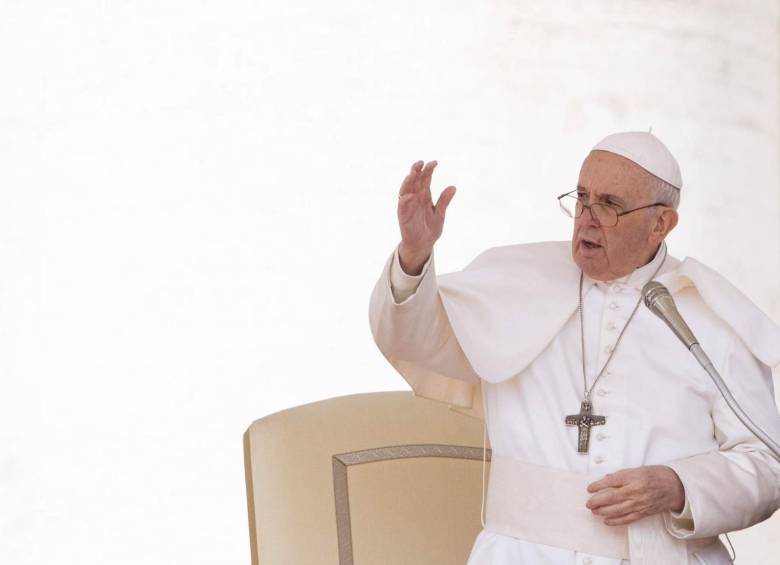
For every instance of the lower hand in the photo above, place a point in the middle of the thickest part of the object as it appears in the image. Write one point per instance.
(630, 494)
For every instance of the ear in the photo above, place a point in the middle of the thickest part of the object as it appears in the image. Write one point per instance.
(664, 223)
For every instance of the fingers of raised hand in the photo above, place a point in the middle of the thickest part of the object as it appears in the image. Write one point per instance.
(426, 175)
(414, 180)
(444, 200)
(421, 180)
(408, 184)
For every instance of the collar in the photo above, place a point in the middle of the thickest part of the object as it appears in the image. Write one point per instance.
(639, 277)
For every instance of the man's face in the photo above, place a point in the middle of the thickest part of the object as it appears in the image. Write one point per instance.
(607, 253)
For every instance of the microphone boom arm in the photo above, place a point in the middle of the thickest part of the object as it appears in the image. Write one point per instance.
(705, 362)
(660, 302)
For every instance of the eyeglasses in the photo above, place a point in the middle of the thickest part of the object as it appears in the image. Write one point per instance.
(605, 214)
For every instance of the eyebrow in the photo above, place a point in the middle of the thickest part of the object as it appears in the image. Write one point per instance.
(605, 196)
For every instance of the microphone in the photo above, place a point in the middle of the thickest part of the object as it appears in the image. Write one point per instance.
(659, 301)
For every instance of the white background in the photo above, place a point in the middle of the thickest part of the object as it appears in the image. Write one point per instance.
(197, 197)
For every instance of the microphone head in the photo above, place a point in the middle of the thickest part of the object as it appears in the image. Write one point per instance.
(652, 292)
(659, 301)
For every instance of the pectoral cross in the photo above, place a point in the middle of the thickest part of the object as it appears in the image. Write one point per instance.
(584, 420)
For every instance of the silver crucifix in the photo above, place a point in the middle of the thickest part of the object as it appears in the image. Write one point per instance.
(584, 420)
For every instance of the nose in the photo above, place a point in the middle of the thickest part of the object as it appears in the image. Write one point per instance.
(587, 219)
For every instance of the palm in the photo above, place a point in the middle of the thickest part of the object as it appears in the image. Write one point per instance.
(420, 221)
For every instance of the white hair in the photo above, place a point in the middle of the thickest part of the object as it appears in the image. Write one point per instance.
(663, 192)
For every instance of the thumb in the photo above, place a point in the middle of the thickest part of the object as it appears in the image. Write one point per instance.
(444, 200)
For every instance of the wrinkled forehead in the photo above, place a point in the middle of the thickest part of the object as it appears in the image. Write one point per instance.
(603, 172)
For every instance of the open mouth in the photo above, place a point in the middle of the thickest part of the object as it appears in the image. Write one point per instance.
(588, 244)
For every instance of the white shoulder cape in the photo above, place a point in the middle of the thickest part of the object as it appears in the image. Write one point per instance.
(534, 283)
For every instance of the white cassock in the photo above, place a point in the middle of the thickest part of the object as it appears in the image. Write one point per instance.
(501, 339)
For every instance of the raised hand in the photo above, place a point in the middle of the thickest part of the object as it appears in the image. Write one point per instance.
(420, 221)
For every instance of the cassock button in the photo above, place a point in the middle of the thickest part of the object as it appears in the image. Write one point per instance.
(602, 392)
(601, 436)
(614, 305)
(587, 561)
(598, 459)
(608, 349)
(617, 287)
(611, 326)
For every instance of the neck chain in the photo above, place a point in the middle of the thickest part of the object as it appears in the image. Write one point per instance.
(585, 419)
(587, 390)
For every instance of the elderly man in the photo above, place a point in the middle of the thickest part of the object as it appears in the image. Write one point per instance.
(609, 442)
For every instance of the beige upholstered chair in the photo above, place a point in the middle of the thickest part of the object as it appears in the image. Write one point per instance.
(378, 478)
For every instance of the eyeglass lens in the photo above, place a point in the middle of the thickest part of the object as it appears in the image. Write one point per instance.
(604, 214)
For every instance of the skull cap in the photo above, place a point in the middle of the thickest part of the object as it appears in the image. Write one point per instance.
(647, 151)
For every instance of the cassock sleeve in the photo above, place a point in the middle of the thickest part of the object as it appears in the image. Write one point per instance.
(738, 485)
(402, 284)
(411, 329)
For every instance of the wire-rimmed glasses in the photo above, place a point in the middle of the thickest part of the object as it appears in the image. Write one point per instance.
(605, 214)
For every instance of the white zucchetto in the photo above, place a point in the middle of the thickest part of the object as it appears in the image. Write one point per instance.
(647, 151)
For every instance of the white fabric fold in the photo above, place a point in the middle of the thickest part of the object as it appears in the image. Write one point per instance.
(537, 282)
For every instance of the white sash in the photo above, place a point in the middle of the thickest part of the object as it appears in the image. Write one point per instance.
(544, 505)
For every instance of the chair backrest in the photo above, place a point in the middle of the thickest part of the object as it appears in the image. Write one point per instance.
(368, 479)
